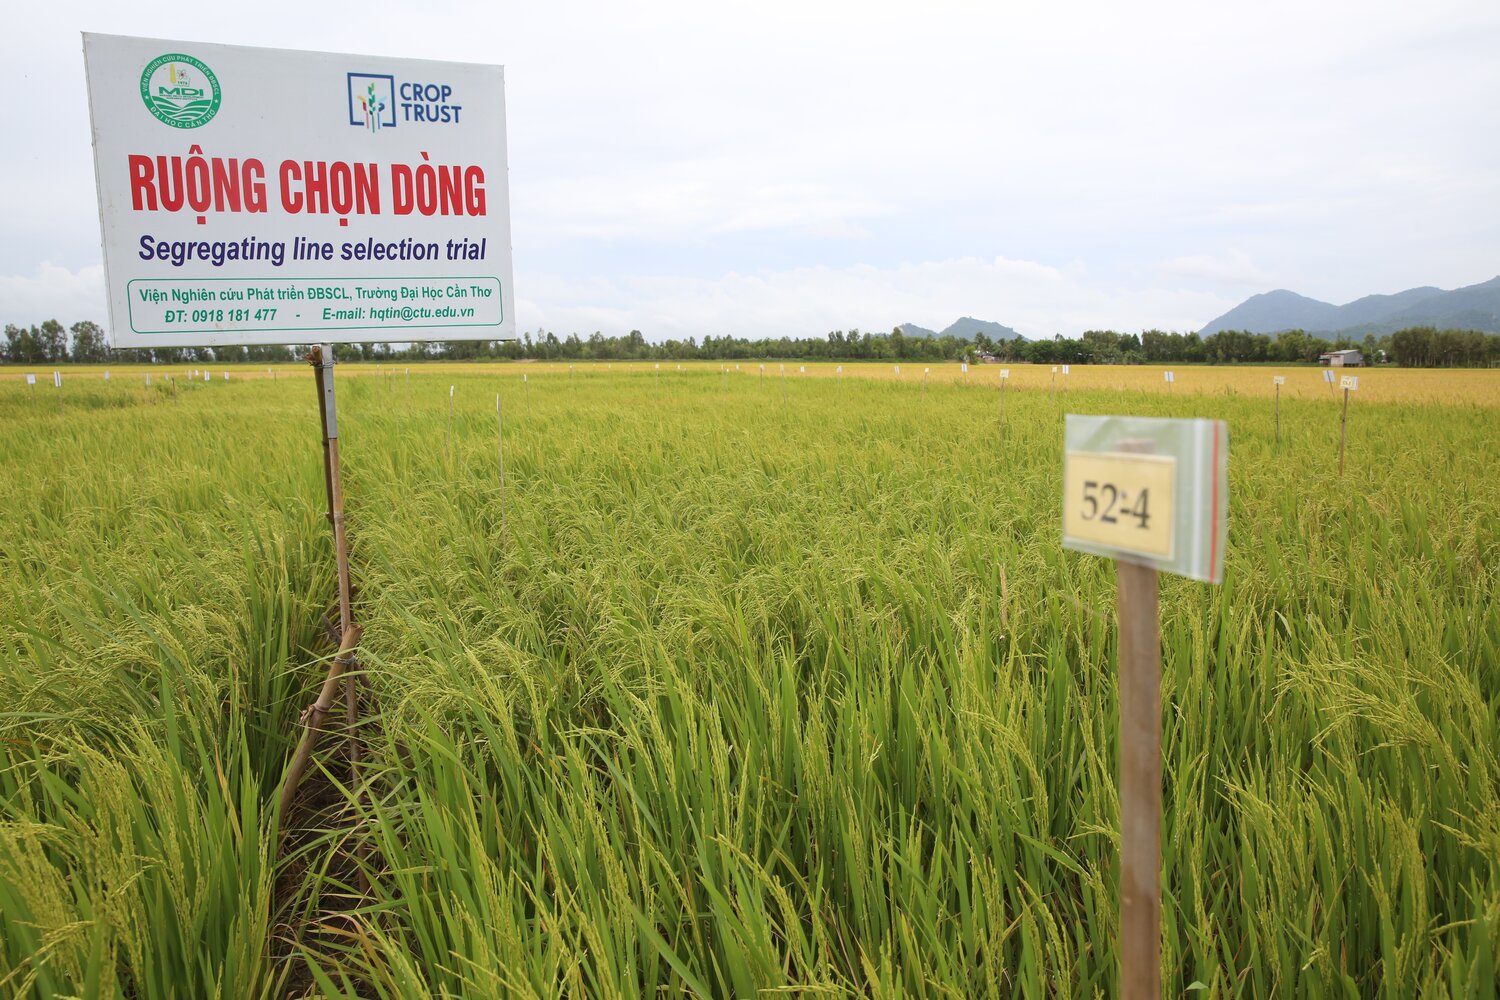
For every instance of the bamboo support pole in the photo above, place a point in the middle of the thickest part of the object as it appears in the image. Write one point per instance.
(321, 359)
(313, 718)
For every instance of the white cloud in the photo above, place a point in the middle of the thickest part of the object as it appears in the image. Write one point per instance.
(1234, 267)
(1036, 299)
(1168, 157)
(53, 292)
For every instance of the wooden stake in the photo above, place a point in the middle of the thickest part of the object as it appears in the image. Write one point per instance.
(1140, 775)
(313, 718)
(1343, 431)
(500, 440)
(1002, 409)
(321, 358)
(448, 436)
(1278, 415)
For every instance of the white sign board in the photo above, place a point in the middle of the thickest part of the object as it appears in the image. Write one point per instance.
(57, 379)
(1166, 508)
(964, 368)
(1169, 376)
(31, 379)
(1065, 369)
(1278, 379)
(266, 196)
(1350, 382)
(1327, 375)
(1005, 373)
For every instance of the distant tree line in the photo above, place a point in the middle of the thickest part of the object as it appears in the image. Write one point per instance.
(1422, 346)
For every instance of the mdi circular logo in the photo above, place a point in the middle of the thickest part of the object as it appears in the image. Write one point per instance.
(180, 91)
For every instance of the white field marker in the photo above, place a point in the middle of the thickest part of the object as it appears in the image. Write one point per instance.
(1278, 381)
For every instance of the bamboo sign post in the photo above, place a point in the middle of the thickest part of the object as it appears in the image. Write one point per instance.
(1170, 378)
(1349, 383)
(1052, 388)
(291, 110)
(1328, 378)
(1152, 494)
(321, 358)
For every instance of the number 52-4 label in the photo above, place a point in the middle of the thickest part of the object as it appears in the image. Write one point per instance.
(1121, 500)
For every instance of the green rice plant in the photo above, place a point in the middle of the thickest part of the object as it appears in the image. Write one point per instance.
(737, 690)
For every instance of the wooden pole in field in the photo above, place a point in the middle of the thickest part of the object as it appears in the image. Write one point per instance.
(500, 440)
(1343, 430)
(321, 358)
(1140, 774)
(1278, 414)
(448, 437)
(1003, 381)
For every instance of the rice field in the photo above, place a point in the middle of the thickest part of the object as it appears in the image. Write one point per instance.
(734, 688)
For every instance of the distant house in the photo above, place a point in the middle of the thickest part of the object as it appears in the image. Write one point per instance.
(1343, 359)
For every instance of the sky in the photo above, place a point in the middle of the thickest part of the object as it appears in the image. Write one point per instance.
(787, 169)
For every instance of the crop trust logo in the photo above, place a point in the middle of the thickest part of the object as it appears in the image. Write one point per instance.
(180, 91)
(372, 101)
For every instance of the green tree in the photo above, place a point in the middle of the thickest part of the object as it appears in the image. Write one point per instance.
(89, 343)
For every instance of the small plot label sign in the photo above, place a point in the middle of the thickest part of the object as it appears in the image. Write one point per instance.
(31, 380)
(1350, 382)
(1278, 379)
(1148, 490)
(1120, 501)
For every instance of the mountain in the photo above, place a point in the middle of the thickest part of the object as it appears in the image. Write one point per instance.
(913, 330)
(966, 326)
(1271, 312)
(1475, 307)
